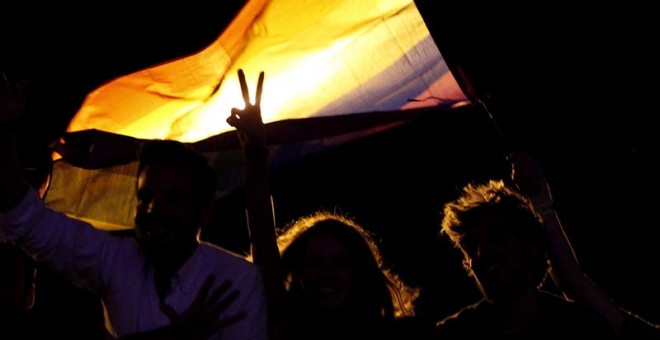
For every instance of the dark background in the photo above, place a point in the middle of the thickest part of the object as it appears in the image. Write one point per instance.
(575, 88)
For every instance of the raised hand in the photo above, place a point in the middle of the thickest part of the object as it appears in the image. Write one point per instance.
(261, 220)
(12, 101)
(248, 121)
(202, 318)
(13, 184)
(530, 178)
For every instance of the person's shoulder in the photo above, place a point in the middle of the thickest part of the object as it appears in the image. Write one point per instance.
(223, 254)
(574, 316)
(465, 318)
(228, 260)
(559, 306)
(465, 312)
(557, 303)
(635, 327)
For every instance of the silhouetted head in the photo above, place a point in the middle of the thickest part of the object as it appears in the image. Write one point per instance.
(175, 195)
(501, 237)
(332, 264)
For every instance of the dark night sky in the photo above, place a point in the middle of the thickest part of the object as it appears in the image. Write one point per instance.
(575, 89)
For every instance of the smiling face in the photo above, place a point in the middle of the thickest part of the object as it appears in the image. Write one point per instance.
(327, 272)
(498, 258)
(168, 214)
(502, 239)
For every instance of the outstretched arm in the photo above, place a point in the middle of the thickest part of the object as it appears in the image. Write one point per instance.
(261, 222)
(531, 181)
(565, 269)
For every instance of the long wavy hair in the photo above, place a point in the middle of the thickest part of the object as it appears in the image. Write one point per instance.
(377, 291)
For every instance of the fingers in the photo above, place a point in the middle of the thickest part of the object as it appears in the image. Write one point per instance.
(240, 125)
(215, 299)
(208, 311)
(220, 303)
(244, 87)
(246, 92)
(218, 292)
(168, 310)
(231, 319)
(219, 300)
(260, 85)
(204, 291)
(223, 304)
(234, 120)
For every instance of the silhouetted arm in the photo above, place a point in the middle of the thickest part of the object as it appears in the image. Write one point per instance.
(13, 184)
(565, 269)
(260, 214)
